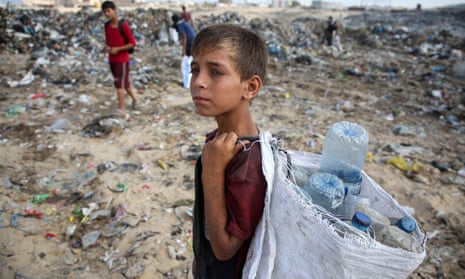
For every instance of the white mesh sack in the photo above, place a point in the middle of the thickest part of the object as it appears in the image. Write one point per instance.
(298, 239)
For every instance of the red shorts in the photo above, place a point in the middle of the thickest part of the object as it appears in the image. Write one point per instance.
(120, 73)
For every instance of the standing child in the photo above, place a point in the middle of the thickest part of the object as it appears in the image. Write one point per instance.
(117, 47)
(228, 68)
(329, 30)
(187, 35)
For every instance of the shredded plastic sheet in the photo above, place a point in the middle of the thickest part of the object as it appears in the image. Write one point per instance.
(298, 239)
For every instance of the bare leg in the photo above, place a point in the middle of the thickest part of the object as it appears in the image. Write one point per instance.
(133, 97)
(121, 94)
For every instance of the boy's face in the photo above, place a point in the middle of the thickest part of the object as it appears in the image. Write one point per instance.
(109, 13)
(216, 87)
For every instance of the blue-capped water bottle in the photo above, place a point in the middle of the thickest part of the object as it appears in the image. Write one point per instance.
(344, 151)
(407, 224)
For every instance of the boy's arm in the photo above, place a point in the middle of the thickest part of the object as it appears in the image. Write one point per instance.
(215, 156)
(129, 35)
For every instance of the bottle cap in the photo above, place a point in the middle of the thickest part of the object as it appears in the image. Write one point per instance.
(361, 221)
(353, 176)
(407, 224)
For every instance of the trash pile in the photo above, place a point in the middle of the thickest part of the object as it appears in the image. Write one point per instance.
(86, 192)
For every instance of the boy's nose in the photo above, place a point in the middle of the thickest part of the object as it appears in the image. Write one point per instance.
(198, 81)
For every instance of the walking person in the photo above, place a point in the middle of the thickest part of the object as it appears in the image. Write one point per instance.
(119, 41)
(186, 16)
(186, 35)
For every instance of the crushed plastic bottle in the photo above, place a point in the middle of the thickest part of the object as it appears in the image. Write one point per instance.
(14, 111)
(40, 198)
(325, 189)
(395, 237)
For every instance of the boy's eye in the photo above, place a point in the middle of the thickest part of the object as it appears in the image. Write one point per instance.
(216, 72)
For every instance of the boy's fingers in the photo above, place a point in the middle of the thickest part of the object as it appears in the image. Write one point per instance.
(238, 147)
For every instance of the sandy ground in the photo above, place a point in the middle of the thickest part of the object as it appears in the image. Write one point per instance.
(152, 155)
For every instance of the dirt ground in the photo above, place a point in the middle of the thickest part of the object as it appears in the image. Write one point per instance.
(141, 170)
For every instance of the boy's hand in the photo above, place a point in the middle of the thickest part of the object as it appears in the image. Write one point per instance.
(216, 155)
(111, 50)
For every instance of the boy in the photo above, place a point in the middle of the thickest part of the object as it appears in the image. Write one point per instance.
(186, 35)
(328, 33)
(228, 67)
(186, 16)
(118, 54)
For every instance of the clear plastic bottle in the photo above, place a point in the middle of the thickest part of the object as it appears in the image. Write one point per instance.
(347, 209)
(394, 237)
(325, 189)
(378, 220)
(407, 224)
(343, 154)
(361, 221)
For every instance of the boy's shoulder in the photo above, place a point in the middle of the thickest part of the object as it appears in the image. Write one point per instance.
(120, 21)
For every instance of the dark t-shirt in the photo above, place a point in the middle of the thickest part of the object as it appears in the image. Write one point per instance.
(187, 17)
(184, 27)
(245, 193)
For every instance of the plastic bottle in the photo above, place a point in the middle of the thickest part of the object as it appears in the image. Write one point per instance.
(325, 189)
(395, 237)
(14, 111)
(361, 221)
(347, 209)
(438, 68)
(40, 198)
(344, 151)
(378, 220)
(407, 224)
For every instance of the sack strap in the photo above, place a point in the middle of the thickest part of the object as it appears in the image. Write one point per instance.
(276, 147)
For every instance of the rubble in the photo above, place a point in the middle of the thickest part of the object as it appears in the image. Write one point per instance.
(104, 208)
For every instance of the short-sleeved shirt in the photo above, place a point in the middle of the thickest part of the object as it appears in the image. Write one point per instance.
(187, 17)
(115, 39)
(184, 27)
(245, 188)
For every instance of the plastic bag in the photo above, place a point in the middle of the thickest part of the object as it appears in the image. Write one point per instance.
(297, 239)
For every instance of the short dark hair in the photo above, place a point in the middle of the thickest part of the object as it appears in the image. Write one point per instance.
(175, 18)
(108, 5)
(247, 50)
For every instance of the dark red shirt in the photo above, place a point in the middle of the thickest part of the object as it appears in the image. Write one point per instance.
(115, 39)
(187, 17)
(245, 188)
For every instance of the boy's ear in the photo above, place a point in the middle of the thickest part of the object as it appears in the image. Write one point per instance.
(253, 86)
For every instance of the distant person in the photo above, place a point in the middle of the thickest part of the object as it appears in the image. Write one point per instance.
(186, 35)
(329, 31)
(118, 46)
(230, 185)
(186, 16)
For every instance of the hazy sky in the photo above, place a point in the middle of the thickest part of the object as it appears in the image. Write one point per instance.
(394, 3)
(402, 3)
